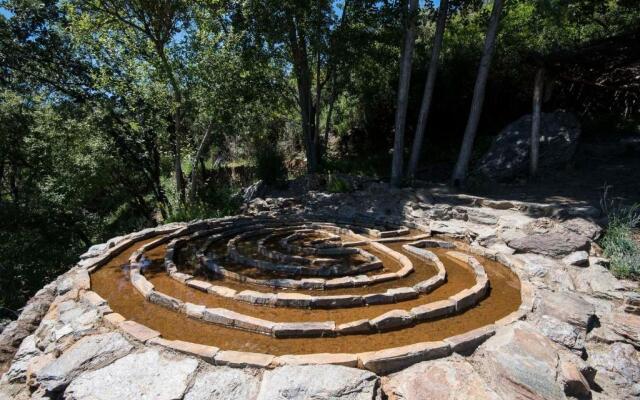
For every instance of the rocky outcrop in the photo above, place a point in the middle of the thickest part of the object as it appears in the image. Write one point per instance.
(15, 332)
(508, 156)
(578, 340)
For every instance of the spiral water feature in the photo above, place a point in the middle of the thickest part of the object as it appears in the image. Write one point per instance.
(266, 291)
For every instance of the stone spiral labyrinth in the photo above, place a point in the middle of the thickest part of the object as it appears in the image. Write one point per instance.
(261, 290)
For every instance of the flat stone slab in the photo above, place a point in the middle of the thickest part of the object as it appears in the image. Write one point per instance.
(434, 310)
(88, 353)
(355, 327)
(146, 375)
(393, 319)
(138, 331)
(304, 329)
(344, 359)
(447, 378)
(241, 359)
(224, 383)
(318, 382)
(207, 353)
(397, 358)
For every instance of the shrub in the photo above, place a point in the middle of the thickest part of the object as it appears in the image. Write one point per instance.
(619, 243)
(335, 184)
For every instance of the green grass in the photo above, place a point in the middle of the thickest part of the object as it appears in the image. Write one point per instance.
(619, 244)
(335, 184)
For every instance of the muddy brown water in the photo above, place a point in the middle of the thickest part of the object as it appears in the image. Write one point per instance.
(111, 283)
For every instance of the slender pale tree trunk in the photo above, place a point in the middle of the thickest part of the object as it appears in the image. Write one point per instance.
(177, 120)
(460, 171)
(403, 93)
(195, 182)
(535, 123)
(428, 90)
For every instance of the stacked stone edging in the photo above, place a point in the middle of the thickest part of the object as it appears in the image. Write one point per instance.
(383, 361)
(390, 320)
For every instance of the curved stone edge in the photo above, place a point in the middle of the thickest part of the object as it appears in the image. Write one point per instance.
(298, 300)
(305, 283)
(391, 320)
(399, 358)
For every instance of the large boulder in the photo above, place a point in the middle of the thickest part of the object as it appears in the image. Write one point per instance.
(449, 378)
(508, 156)
(224, 383)
(617, 369)
(319, 382)
(88, 353)
(547, 237)
(519, 363)
(146, 375)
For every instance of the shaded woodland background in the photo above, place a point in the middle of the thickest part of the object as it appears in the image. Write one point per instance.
(121, 114)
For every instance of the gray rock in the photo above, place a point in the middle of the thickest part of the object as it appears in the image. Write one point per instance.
(583, 227)
(547, 237)
(95, 250)
(508, 156)
(570, 336)
(567, 306)
(4, 322)
(146, 375)
(450, 378)
(518, 362)
(88, 353)
(26, 352)
(319, 382)
(223, 383)
(598, 282)
(578, 259)
(12, 336)
(553, 244)
(626, 325)
(617, 368)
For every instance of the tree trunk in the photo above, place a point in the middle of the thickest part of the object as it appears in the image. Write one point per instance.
(298, 45)
(177, 162)
(193, 189)
(535, 123)
(462, 165)
(327, 124)
(177, 120)
(428, 90)
(403, 93)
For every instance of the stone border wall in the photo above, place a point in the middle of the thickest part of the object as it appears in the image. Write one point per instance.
(391, 320)
(383, 361)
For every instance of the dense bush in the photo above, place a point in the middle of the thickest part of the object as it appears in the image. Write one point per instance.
(619, 243)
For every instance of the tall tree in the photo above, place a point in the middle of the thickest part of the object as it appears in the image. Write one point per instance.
(402, 101)
(428, 89)
(157, 22)
(464, 157)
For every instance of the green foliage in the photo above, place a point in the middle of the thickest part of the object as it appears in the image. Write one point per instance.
(98, 99)
(336, 184)
(619, 243)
